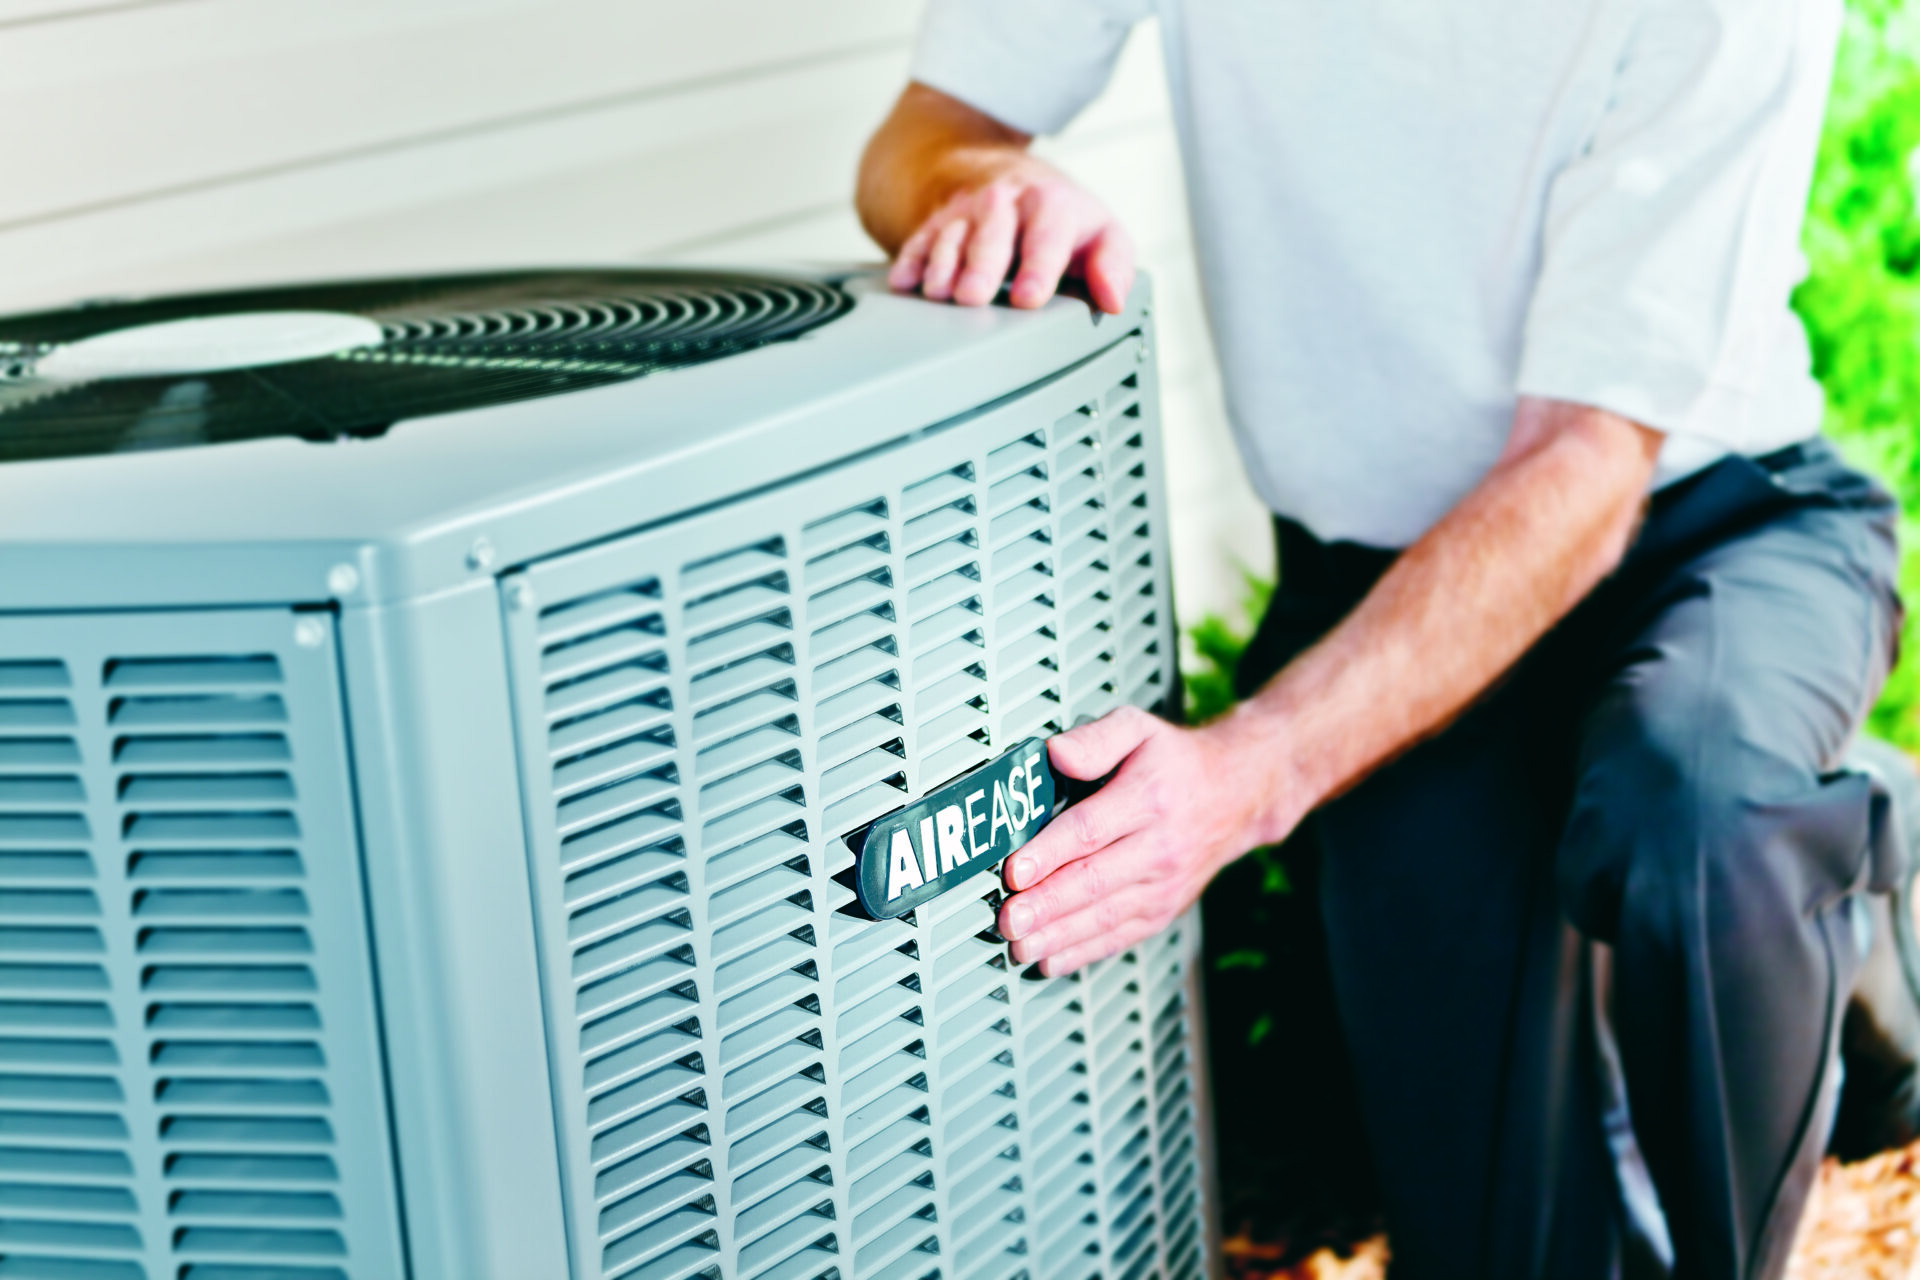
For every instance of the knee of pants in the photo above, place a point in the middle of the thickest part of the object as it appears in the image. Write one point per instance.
(1656, 821)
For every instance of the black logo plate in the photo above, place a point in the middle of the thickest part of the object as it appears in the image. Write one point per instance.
(966, 827)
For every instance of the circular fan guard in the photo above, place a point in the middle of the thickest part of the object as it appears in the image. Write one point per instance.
(450, 343)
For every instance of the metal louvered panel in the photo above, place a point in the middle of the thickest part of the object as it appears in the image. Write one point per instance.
(720, 701)
(67, 1179)
(233, 1029)
(191, 1076)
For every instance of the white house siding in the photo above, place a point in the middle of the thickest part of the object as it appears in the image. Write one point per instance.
(167, 144)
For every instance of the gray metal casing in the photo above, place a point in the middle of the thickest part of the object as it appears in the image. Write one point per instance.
(424, 856)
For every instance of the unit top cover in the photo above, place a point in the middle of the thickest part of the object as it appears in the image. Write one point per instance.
(328, 361)
(220, 445)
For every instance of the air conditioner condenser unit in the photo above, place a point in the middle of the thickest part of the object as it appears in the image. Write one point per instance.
(479, 766)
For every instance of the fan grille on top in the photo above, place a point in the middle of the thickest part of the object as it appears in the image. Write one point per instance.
(449, 343)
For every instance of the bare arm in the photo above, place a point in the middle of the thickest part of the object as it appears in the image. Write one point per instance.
(953, 195)
(1464, 603)
(1551, 519)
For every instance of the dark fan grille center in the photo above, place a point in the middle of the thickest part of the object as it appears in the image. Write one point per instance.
(449, 343)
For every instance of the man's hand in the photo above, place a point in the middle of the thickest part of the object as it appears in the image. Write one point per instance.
(1120, 865)
(964, 251)
(1457, 609)
(954, 196)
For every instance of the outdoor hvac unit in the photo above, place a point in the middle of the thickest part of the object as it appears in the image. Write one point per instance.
(433, 719)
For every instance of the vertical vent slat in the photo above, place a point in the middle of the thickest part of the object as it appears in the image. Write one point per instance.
(855, 650)
(618, 808)
(752, 775)
(67, 1179)
(236, 1040)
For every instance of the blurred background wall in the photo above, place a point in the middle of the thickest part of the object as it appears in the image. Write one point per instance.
(169, 144)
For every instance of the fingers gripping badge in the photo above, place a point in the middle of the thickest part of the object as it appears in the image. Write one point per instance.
(966, 827)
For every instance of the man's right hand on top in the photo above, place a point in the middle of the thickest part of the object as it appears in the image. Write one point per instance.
(992, 204)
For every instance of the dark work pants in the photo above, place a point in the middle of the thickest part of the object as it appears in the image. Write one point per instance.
(1660, 776)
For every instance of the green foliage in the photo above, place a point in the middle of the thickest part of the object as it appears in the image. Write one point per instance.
(1861, 299)
(1217, 644)
(1273, 872)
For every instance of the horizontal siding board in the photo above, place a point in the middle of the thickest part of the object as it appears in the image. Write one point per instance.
(747, 172)
(616, 183)
(165, 97)
(827, 233)
(22, 12)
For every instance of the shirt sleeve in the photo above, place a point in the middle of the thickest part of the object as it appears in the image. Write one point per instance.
(1030, 64)
(1671, 243)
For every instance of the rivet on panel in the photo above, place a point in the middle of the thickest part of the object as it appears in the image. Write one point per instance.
(343, 580)
(309, 633)
(480, 555)
(520, 596)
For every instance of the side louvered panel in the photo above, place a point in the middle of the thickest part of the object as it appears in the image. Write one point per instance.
(711, 707)
(190, 1082)
(67, 1180)
(203, 765)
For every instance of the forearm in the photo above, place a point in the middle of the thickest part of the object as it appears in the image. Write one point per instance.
(1454, 612)
(930, 147)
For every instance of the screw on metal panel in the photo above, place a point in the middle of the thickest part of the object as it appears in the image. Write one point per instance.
(309, 633)
(480, 555)
(520, 596)
(1141, 353)
(1093, 411)
(343, 579)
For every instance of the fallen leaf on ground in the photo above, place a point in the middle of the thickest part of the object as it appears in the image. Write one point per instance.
(1862, 1223)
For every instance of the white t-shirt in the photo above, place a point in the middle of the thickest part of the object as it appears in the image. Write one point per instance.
(1410, 211)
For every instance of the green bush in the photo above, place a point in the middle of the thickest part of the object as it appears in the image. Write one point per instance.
(1217, 643)
(1861, 298)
